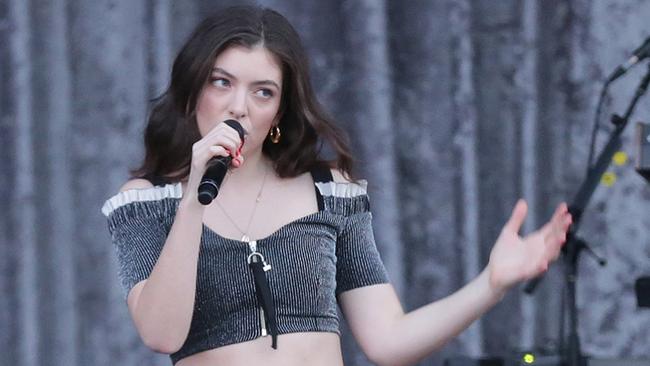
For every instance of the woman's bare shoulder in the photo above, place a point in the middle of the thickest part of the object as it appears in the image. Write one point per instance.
(137, 183)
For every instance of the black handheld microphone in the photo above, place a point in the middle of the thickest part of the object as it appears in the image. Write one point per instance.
(216, 171)
(638, 55)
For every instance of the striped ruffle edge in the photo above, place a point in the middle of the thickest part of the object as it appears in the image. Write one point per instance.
(141, 195)
(343, 190)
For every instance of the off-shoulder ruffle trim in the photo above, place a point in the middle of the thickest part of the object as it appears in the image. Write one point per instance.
(343, 190)
(141, 195)
(331, 189)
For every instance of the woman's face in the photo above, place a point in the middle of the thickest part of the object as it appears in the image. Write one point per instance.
(245, 85)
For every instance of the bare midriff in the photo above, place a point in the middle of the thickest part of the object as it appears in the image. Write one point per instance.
(294, 349)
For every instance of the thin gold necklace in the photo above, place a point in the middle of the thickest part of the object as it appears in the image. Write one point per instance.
(245, 236)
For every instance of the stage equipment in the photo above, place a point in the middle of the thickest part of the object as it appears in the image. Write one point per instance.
(522, 360)
(643, 150)
(642, 289)
(572, 354)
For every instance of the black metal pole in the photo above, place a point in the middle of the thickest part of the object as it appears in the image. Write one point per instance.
(573, 355)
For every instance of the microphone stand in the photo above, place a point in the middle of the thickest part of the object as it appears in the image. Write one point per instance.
(572, 356)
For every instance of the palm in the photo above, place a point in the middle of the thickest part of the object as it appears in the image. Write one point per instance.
(514, 259)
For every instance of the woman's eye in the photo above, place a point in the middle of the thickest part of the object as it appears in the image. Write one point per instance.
(221, 82)
(264, 93)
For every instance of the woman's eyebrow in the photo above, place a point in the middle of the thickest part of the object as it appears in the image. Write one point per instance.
(259, 82)
(218, 69)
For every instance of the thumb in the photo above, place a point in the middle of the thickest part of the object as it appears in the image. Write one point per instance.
(518, 216)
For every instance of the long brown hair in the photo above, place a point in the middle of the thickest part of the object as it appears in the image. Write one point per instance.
(172, 127)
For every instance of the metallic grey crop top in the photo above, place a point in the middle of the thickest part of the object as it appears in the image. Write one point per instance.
(313, 259)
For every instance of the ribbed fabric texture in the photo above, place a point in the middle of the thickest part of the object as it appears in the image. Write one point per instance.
(314, 259)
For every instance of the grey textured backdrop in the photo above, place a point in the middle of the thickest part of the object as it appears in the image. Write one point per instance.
(455, 108)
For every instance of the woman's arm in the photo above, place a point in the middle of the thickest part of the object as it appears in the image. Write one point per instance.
(390, 337)
(162, 305)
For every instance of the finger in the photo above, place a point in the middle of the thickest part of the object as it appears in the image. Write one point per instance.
(230, 142)
(563, 223)
(568, 220)
(223, 129)
(230, 147)
(552, 232)
(238, 161)
(218, 137)
(518, 216)
(553, 244)
(564, 207)
(559, 222)
(217, 150)
(219, 140)
(560, 211)
(232, 129)
(200, 158)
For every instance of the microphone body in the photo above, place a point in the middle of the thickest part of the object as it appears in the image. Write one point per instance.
(216, 170)
(212, 178)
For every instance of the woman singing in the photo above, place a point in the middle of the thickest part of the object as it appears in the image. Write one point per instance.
(255, 277)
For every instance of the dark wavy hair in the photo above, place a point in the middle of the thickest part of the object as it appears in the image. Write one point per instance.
(172, 128)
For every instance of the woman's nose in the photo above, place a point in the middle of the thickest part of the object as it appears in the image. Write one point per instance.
(237, 107)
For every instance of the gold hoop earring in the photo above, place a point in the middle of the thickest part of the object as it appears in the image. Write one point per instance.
(275, 134)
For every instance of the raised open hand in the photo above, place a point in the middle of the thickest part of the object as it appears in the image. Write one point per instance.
(514, 259)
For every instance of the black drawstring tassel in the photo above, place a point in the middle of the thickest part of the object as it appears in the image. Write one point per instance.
(264, 297)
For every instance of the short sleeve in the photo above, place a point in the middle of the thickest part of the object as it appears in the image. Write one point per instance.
(358, 261)
(138, 232)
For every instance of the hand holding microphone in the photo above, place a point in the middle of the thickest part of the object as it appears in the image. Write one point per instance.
(216, 170)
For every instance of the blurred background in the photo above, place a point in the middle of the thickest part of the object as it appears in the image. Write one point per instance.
(455, 109)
